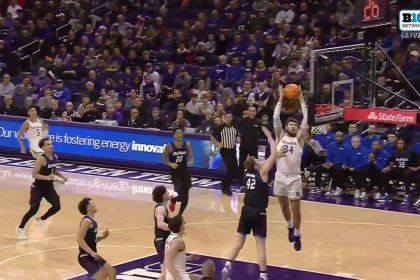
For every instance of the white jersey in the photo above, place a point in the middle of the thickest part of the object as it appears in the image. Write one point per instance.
(180, 260)
(290, 163)
(34, 134)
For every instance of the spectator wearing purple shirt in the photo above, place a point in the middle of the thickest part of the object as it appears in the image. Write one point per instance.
(262, 93)
(64, 55)
(219, 73)
(112, 114)
(237, 47)
(261, 73)
(41, 80)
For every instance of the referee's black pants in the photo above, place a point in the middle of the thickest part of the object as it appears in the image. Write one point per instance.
(231, 163)
(244, 152)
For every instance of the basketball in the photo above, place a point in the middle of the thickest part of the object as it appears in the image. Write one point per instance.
(291, 91)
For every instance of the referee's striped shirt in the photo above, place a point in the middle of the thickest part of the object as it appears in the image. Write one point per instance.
(226, 135)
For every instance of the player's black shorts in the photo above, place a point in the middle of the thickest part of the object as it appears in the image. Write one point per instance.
(253, 219)
(182, 184)
(160, 248)
(91, 265)
(40, 192)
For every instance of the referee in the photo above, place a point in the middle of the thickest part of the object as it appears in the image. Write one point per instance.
(224, 137)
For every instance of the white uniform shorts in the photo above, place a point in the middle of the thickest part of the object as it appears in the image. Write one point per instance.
(35, 150)
(288, 186)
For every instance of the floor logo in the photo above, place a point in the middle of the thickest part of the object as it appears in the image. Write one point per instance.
(409, 20)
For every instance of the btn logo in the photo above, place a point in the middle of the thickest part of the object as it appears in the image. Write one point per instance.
(409, 20)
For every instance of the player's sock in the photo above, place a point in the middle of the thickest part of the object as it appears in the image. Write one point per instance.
(297, 232)
(263, 275)
(290, 224)
(228, 264)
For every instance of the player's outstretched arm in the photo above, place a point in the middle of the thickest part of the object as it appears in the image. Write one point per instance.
(278, 129)
(190, 154)
(304, 128)
(22, 131)
(268, 164)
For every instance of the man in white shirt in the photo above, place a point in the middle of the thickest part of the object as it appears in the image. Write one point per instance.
(7, 87)
(13, 8)
(286, 14)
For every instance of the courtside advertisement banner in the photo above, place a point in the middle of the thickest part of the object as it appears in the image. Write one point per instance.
(380, 115)
(101, 143)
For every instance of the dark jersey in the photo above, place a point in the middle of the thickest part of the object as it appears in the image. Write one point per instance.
(160, 233)
(179, 156)
(256, 193)
(47, 170)
(402, 159)
(90, 237)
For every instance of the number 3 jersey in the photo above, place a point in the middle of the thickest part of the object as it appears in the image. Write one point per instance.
(256, 192)
(290, 162)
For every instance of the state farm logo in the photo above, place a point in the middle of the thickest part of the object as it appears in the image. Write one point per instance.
(393, 117)
(372, 116)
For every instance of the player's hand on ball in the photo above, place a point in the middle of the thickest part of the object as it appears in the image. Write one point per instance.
(173, 165)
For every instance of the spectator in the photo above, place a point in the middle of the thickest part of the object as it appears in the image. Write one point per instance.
(81, 109)
(262, 94)
(219, 73)
(132, 95)
(155, 76)
(91, 114)
(91, 92)
(239, 107)
(156, 120)
(28, 102)
(70, 114)
(205, 104)
(180, 121)
(207, 125)
(378, 159)
(13, 9)
(7, 87)
(411, 69)
(236, 72)
(192, 111)
(183, 79)
(8, 108)
(111, 114)
(24, 89)
(134, 120)
(202, 75)
(149, 90)
(46, 100)
(223, 93)
(370, 137)
(355, 163)
(53, 112)
(286, 14)
(61, 93)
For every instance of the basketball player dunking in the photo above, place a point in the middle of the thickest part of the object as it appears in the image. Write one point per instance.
(87, 238)
(35, 130)
(175, 156)
(43, 172)
(161, 217)
(253, 214)
(288, 181)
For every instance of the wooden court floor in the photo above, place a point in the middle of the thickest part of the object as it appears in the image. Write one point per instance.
(366, 244)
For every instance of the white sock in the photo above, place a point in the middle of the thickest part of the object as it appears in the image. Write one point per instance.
(289, 224)
(263, 275)
(228, 264)
(297, 232)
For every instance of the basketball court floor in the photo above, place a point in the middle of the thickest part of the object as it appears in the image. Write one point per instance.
(339, 242)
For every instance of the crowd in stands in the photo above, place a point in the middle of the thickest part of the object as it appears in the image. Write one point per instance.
(147, 65)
